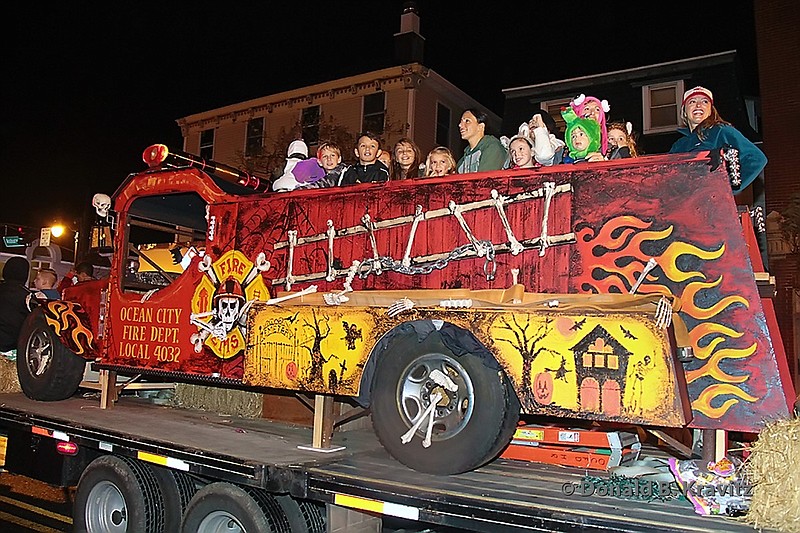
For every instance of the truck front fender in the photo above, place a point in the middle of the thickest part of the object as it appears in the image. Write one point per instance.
(72, 325)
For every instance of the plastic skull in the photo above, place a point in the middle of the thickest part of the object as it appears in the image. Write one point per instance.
(101, 203)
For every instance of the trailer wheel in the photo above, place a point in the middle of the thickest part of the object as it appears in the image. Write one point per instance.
(177, 490)
(47, 370)
(304, 516)
(117, 494)
(470, 425)
(224, 507)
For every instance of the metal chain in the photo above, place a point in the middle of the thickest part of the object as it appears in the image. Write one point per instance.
(372, 265)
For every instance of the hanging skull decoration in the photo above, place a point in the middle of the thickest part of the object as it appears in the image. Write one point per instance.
(102, 204)
(228, 302)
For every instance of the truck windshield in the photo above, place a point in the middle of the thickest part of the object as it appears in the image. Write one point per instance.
(160, 230)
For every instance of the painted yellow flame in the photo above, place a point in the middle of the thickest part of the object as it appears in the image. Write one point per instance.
(706, 313)
(711, 368)
(669, 260)
(703, 402)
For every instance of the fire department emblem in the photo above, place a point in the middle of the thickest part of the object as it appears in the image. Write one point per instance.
(222, 299)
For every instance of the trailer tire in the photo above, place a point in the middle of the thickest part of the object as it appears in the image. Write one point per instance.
(221, 504)
(177, 490)
(469, 430)
(118, 494)
(47, 370)
(304, 516)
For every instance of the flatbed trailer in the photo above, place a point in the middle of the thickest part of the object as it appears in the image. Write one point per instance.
(263, 455)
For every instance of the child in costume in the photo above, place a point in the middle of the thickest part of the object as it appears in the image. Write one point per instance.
(621, 144)
(299, 169)
(595, 109)
(582, 137)
(548, 149)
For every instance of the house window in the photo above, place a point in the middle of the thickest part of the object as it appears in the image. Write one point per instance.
(587, 360)
(374, 112)
(613, 362)
(207, 144)
(255, 137)
(310, 122)
(443, 118)
(661, 106)
(553, 108)
(599, 360)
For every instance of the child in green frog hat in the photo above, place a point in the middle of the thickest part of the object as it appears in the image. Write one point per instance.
(582, 137)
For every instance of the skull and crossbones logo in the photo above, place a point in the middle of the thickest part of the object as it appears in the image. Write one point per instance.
(229, 304)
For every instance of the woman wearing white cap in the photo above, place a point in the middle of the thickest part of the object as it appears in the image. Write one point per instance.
(707, 131)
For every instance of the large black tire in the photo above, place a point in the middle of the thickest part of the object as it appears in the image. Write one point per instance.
(304, 516)
(177, 490)
(117, 494)
(471, 426)
(47, 370)
(227, 507)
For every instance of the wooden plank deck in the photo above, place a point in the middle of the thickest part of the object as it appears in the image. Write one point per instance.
(505, 495)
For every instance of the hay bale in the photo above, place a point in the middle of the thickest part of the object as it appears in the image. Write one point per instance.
(218, 400)
(774, 468)
(8, 376)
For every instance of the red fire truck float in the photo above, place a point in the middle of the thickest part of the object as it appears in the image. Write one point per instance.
(620, 292)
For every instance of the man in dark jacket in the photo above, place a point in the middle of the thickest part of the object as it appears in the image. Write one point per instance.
(13, 305)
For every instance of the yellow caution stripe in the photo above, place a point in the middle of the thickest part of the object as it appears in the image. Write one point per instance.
(376, 506)
(163, 460)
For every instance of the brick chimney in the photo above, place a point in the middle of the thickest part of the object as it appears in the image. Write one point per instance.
(408, 43)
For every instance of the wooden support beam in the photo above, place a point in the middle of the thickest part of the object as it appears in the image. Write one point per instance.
(323, 421)
(322, 432)
(108, 389)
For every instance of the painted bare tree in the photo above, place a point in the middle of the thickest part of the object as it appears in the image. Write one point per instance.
(528, 340)
(317, 358)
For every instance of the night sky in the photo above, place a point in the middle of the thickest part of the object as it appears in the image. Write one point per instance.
(91, 87)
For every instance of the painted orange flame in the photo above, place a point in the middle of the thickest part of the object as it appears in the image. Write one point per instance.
(63, 318)
(620, 240)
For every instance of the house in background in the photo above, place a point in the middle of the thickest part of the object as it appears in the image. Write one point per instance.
(649, 97)
(407, 100)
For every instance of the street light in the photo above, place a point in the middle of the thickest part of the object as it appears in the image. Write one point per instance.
(58, 230)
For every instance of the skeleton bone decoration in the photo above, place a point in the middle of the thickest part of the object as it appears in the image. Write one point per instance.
(499, 202)
(479, 246)
(207, 268)
(331, 231)
(376, 258)
(651, 264)
(338, 298)
(431, 214)
(292, 236)
(418, 215)
(549, 192)
(425, 264)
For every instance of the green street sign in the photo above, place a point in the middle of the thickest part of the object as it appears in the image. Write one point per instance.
(13, 241)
